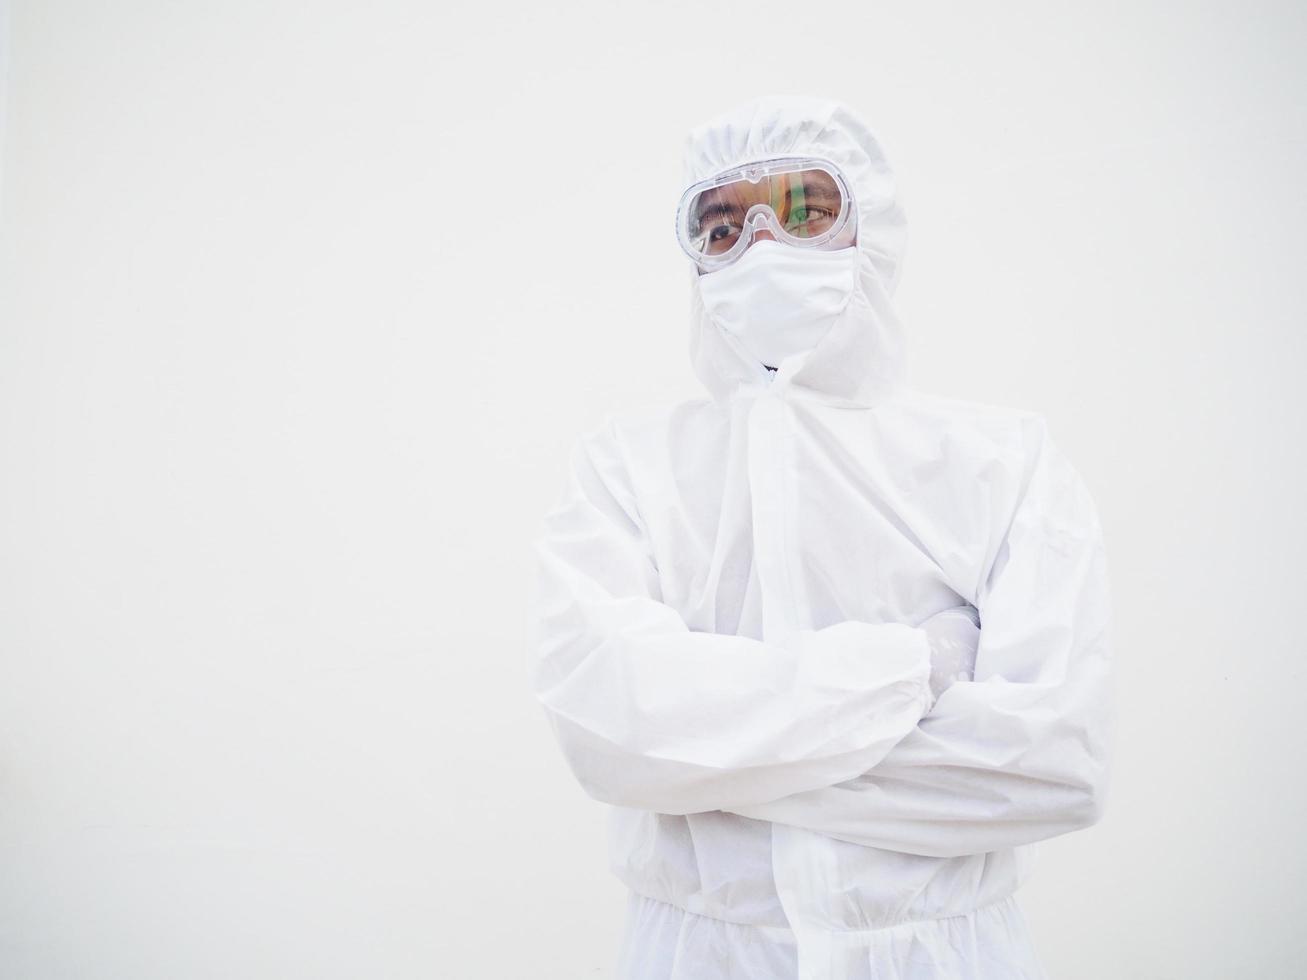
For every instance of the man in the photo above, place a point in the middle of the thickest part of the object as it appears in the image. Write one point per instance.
(755, 630)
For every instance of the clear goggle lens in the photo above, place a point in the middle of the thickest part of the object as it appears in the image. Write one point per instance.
(803, 202)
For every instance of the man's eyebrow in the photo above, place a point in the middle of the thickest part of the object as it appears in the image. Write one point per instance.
(713, 207)
(811, 189)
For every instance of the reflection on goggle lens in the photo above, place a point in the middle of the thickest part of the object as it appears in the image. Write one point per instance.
(806, 203)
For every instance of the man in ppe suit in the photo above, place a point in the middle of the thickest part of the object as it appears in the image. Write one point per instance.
(835, 651)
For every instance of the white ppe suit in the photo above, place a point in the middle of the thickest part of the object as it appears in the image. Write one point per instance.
(727, 641)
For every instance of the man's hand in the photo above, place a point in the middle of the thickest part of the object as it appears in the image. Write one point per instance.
(954, 635)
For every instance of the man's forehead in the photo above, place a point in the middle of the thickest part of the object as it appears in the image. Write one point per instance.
(814, 183)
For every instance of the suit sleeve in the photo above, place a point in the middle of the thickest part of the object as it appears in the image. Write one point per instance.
(1020, 753)
(653, 715)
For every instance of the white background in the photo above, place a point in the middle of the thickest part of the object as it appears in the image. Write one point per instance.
(303, 305)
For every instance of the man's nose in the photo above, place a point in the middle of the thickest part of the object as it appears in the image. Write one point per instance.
(763, 234)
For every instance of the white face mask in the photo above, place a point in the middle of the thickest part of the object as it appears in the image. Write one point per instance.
(778, 300)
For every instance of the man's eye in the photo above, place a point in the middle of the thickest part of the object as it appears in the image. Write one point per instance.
(722, 231)
(808, 214)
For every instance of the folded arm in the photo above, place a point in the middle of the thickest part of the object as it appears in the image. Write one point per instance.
(653, 715)
(1020, 753)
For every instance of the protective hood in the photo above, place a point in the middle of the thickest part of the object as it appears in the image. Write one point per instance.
(861, 358)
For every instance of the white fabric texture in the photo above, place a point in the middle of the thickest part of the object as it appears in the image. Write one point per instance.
(728, 642)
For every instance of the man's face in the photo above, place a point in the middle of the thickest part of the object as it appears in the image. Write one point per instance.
(805, 203)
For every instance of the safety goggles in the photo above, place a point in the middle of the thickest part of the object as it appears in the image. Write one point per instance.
(802, 201)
